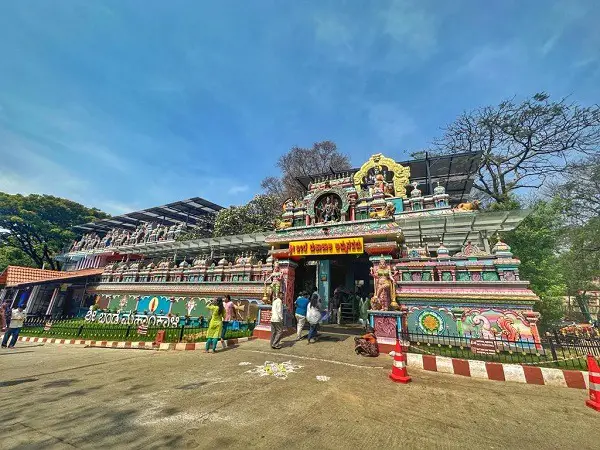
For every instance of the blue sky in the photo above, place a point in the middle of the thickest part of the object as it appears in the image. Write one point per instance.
(129, 104)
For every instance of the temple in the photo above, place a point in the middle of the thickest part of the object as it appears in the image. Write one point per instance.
(396, 243)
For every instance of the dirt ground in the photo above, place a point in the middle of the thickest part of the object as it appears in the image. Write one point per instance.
(72, 397)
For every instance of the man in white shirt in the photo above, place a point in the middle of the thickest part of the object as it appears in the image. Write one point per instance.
(16, 323)
(276, 323)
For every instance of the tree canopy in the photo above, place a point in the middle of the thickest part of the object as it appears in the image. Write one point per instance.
(36, 227)
(536, 242)
(257, 215)
(523, 144)
(580, 189)
(297, 162)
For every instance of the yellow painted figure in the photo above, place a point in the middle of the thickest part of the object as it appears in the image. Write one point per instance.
(215, 325)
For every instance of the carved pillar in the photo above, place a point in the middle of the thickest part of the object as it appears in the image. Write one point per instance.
(533, 317)
(457, 314)
(403, 328)
(288, 269)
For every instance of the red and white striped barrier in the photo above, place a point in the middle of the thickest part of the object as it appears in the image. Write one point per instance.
(129, 344)
(500, 372)
(594, 384)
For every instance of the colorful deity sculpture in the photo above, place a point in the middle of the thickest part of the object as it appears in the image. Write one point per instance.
(273, 290)
(385, 289)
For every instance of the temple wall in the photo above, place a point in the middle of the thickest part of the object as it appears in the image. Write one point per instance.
(483, 321)
(174, 300)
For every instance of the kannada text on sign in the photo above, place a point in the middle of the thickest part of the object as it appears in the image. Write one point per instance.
(327, 247)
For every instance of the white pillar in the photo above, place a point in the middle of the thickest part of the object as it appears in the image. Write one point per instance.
(3, 294)
(52, 301)
(32, 298)
(12, 302)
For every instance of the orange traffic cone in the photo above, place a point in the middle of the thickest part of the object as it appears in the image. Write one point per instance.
(594, 371)
(399, 373)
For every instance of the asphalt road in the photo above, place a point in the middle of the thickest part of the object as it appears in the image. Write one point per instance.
(72, 397)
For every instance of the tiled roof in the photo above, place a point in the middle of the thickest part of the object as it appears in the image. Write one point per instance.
(15, 275)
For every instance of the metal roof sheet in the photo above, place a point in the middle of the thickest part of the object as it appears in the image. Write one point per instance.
(193, 211)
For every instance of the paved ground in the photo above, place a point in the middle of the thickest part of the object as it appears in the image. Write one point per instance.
(64, 397)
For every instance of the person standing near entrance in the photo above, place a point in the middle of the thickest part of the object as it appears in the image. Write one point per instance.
(336, 305)
(301, 307)
(276, 323)
(215, 326)
(3, 316)
(7, 314)
(16, 323)
(313, 315)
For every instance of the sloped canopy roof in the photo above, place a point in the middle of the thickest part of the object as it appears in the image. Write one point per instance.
(193, 211)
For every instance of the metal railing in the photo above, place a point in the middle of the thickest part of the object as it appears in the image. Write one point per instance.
(74, 328)
(567, 352)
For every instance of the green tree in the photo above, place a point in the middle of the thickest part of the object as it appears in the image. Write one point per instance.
(581, 262)
(536, 242)
(39, 226)
(12, 256)
(322, 157)
(259, 214)
(524, 144)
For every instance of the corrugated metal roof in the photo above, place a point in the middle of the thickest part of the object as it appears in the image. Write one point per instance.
(194, 211)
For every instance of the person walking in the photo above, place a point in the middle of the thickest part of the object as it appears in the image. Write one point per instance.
(301, 306)
(215, 326)
(229, 316)
(276, 323)
(313, 316)
(16, 323)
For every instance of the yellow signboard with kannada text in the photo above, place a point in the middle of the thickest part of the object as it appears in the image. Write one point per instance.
(348, 246)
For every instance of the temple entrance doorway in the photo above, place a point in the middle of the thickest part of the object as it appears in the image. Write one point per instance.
(349, 275)
(306, 277)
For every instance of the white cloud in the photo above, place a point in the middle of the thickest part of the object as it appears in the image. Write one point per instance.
(489, 63)
(390, 123)
(26, 171)
(389, 37)
(331, 30)
(238, 189)
(550, 43)
(116, 207)
(411, 27)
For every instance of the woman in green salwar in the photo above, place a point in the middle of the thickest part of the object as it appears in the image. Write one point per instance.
(213, 334)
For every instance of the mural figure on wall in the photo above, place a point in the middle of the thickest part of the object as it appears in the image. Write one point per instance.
(491, 324)
(484, 328)
(190, 304)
